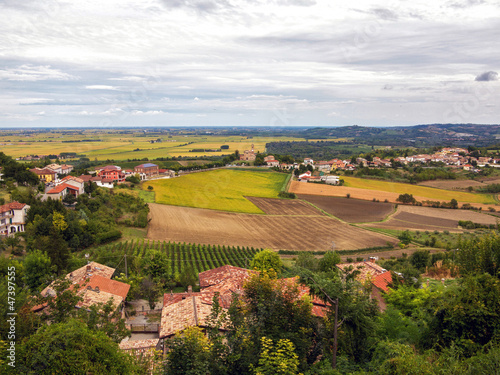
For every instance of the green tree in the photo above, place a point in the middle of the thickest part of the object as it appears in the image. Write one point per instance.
(406, 198)
(157, 265)
(279, 358)
(151, 291)
(306, 259)
(38, 269)
(13, 243)
(405, 237)
(266, 260)
(72, 348)
(420, 259)
(328, 262)
(188, 353)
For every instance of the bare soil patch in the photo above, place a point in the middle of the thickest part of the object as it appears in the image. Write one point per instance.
(287, 232)
(428, 218)
(351, 210)
(405, 220)
(452, 184)
(272, 206)
(443, 213)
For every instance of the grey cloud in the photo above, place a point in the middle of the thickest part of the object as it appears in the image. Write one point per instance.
(466, 4)
(202, 6)
(388, 87)
(301, 3)
(487, 76)
(385, 14)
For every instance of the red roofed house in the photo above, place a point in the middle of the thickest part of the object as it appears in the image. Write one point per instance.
(13, 218)
(76, 182)
(113, 173)
(182, 310)
(93, 283)
(378, 277)
(60, 191)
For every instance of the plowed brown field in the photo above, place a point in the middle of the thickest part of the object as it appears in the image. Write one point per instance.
(287, 232)
(428, 218)
(284, 206)
(351, 210)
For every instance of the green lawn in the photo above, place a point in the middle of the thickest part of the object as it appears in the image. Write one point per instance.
(221, 189)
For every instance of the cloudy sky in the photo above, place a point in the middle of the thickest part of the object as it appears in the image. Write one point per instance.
(248, 62)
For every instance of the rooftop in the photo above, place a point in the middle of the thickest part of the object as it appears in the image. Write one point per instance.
(367, 270)
(139, 344)
(185, 313)
(12, 206)
(146, 165)
(236, 275)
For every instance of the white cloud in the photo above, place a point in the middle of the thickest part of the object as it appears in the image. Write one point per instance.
(364, 61)
(34, 73)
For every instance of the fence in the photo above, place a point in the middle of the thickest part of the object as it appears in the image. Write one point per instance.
(144, 328)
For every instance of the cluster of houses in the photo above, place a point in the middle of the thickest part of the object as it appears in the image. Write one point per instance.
(95, 285)
(449, 156)
(52, 172)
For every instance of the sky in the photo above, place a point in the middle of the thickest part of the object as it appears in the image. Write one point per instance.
(114, 63)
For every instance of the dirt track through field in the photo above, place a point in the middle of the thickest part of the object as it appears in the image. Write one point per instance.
(287, 232)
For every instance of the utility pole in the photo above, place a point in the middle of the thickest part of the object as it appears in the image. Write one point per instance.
(334, 354)
(335, 328)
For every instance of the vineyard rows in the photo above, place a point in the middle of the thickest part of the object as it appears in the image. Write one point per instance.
(181, 255)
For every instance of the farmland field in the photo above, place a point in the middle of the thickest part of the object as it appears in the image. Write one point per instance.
(452, 184)
(287, 232)
(284, 207)
(417, 191)
(428, 218)
(391, 192)
(123, 145)
(222, 189)
(351, 210)
(181, 255)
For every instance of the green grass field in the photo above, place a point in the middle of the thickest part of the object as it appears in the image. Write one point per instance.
(222, 189)
(418, 191)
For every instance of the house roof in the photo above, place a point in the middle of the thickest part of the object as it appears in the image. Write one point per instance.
(139, 344)
(12, 206)
(185, 313)
(367, 270)
(42, 171)
(92, 297)
(73, 178)
(85, 177)
(146, 165)
(382, 281)
(59, 188)
(236, 275)
(111, 168)
(106, 285)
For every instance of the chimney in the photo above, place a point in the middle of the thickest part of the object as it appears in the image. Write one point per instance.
(89, 268)
(97, 289)
(190, 289)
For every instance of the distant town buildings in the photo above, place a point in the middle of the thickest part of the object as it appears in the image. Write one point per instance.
(147, 169)
(248, 155)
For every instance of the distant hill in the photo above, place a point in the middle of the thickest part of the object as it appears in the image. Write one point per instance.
(418, 135)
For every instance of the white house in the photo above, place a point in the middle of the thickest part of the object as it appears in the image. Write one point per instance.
(13, 218)
(76, 182)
